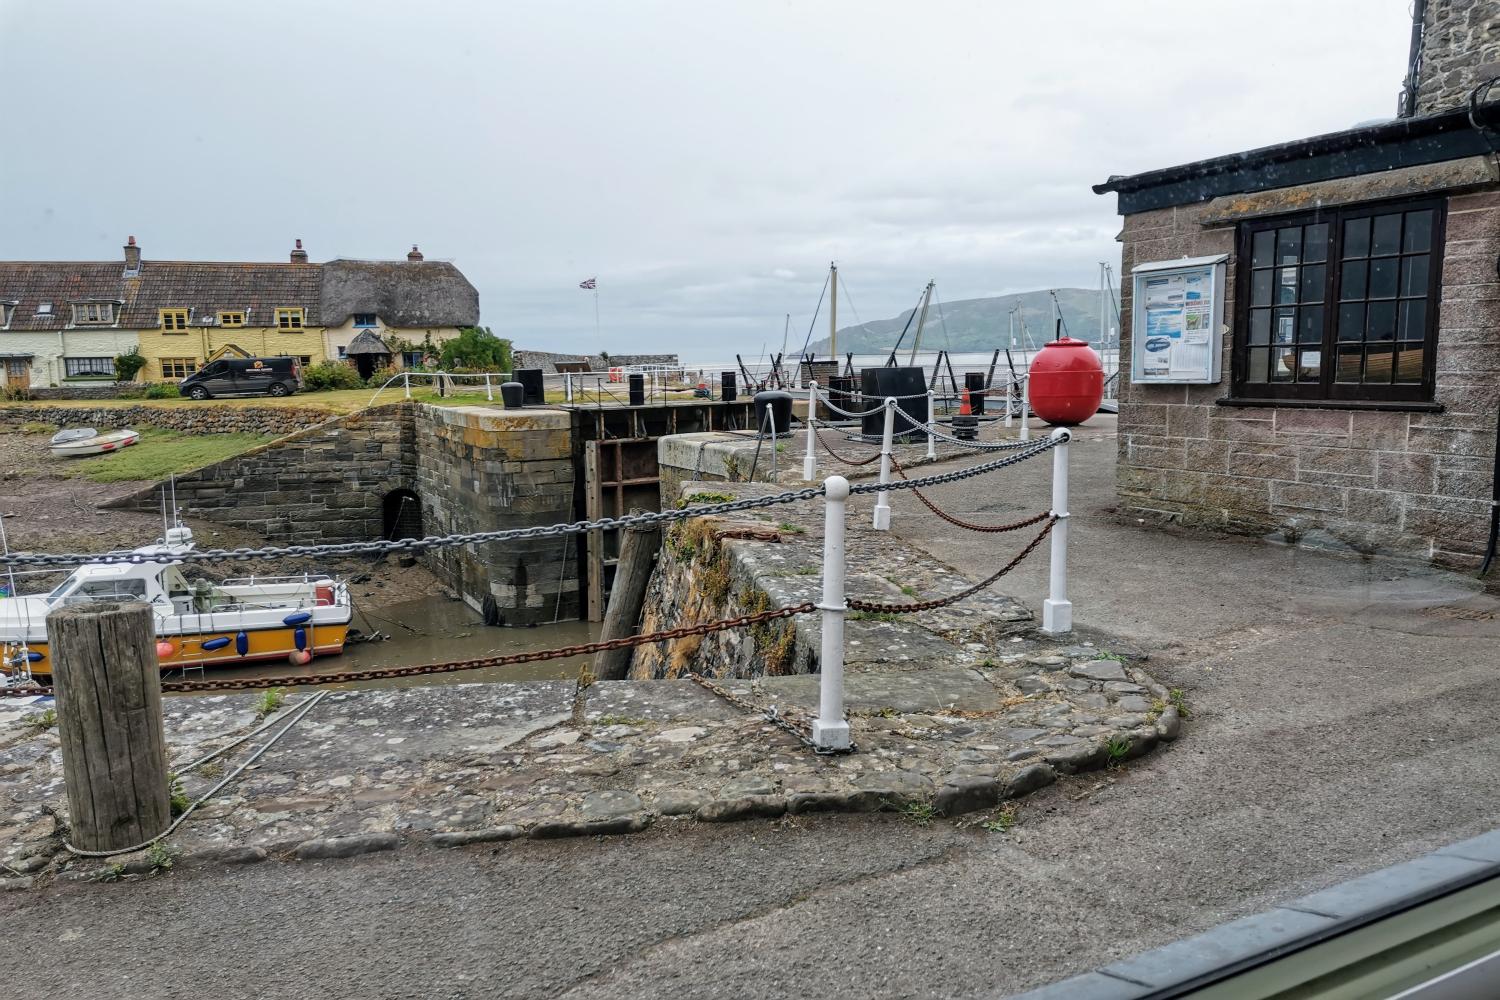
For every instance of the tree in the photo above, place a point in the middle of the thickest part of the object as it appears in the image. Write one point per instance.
(476, 347)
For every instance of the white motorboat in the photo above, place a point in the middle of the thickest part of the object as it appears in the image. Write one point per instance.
(87, 441)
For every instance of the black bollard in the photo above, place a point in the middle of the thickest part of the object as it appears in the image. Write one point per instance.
(514, 395)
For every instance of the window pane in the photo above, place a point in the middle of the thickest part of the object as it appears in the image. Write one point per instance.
(1357, 238)
(1262, 246)
(1281, 364)
(1382, 324)
(1260, 288)
(1418, 231)
(1310, 366)
(1259, 364)
(1414, 275)
(1378, 364)
(1352, 321)
(1315, 243)
(1286, 325)
(1289, 245)
(1383, 278)
(1286, 285)
(1350, 364)
(1414, 319)
(1409, 366)
(1387, 235)
(1352, 281)
(1311, 287)
(1260, 326)
(1310, 325)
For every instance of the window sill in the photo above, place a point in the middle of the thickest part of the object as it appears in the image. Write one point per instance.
(1406, 406)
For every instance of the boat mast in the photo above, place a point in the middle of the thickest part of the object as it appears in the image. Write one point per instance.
(916, 343)
(833, 311)
(1103, 320)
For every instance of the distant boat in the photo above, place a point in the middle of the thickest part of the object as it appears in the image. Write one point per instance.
(87, 441)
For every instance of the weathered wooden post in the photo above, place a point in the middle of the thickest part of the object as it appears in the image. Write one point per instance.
(638, 545)
(108, 687)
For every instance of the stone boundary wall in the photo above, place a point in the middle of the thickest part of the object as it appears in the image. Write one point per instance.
(1460, 49)
(1410, 484)
(545, 360)
(207, 418)
(85, 390)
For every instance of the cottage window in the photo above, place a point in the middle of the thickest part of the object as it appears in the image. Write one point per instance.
(88, 367)
(412, 359)
(93, 312)
(174, 320)
(365, 320)
(178, 367)
(7, 312)
(1340, 304)
(289, 319)
(232, 319)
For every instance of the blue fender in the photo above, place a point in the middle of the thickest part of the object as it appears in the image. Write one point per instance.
(219, 643)
(300, 638)
(242, 643)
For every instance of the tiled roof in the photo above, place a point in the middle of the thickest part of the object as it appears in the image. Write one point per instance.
(256, 289)
(32, 283)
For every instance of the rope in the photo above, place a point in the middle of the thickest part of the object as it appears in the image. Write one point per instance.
(985, 528)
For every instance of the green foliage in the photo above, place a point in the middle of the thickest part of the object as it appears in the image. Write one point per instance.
(1118, 749)
(45, 719)
(1002, 822)
(619, 720)
(477, 348)
(381, 376)
(36, 427)
(920, 813)
(161, 390)
(330, 375)
(160, 857)
(270, 702)
(874, 616)
(15, 393)
(129, 364)
(1179, 702)
(179, 796)
(709, 498)
(160, 453)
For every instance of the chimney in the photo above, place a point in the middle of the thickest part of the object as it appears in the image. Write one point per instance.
(415, 256)
(132, 255)
(299, 255)
(1452, 53)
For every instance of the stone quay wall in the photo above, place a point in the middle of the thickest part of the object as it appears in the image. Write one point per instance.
(322, 484)
(1407, 483)
(1460, 49)
(205, 419)
(484, 469)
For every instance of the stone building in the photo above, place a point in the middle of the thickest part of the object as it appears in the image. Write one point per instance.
(1355, 402)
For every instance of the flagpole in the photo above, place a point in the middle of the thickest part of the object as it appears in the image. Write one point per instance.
(596, 314)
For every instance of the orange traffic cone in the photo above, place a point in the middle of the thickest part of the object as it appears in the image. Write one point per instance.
(964, 409)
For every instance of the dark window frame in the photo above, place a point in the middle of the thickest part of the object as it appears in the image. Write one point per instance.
(1327, 389)
(366, 321)
(73, 367)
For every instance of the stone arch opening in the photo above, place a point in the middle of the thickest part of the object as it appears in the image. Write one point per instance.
(401, 512)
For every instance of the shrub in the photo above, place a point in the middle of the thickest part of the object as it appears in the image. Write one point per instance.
(128, 365)
(381, 376)
(161, 390)
(15, 393)
(330, 375)
(478, 349)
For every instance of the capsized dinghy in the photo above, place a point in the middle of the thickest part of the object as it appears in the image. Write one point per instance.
(87, 441)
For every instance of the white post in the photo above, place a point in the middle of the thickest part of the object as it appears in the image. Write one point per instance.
(810, 460)
(931, 423)
(1026, 404)
(567, 387)
(1057, 610)
(882, 520)
(829, 730)
(489, 391)
(406, 381)
(1009, 385)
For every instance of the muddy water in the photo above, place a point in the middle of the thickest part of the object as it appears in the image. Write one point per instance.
(433, 630)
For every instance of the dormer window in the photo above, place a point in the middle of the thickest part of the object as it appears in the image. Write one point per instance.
(231, 318)
(174, 320)
(7, 313)
(93, 313)
(365, 321)
(44, 309)
(289, 318)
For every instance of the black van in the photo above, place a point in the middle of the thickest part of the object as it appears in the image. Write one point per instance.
(244, 377)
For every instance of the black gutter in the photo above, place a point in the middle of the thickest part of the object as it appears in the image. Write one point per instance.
(1401, 142)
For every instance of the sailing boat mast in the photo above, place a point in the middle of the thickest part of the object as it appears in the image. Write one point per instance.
(1103, 316)
(833, 311)
(916, 343)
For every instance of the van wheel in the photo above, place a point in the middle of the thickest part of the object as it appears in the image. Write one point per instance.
(277, 389)
(198, 392)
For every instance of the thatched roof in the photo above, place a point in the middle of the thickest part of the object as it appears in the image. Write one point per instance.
(367, 343)
(404, 294)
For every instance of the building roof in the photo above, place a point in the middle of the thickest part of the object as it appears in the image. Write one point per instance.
(366, 342)
(1364, 149)
(32, 284)
(403, 293)
(258, 290)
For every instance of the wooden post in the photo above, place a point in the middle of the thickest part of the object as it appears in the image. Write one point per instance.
(108, 687)
(627, 595)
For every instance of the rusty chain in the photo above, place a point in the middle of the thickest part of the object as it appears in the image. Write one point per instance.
(847, 461)
(803, 733)
(957, 522)
(942, 602)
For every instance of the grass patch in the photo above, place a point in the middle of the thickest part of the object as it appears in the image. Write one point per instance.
(807, 571)
(45, 719)
(179, 796)
(1118, 749)
(34, 427)
(161, 453)
(791, 529)
(619, 720)
(920, 813)
(1003, 821)
(874, 616)
(270, 702)
(1106, 654)
(707, 498)
(1179, 702)
(159, 856)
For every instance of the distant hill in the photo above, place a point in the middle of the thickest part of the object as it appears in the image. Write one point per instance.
(977, 324)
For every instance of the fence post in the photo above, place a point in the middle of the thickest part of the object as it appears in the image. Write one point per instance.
(567, 387)
(489, 392)
(108, 687)
(1010, 384)
(1057, 610)
(406, 382)
(931, 423)
(1026, 404)
(882, 520)
(810, 460)
(830, 731)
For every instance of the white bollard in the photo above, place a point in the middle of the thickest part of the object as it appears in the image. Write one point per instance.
(406, 380)
(931, 423)
(830, 731)
(882, 521)
(810, 460)
(567, 387)
(1026, 407)
(1009, 385)
(489, 391)
(1057, 610)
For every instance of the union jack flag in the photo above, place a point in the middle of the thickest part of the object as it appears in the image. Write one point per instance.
(587, 283)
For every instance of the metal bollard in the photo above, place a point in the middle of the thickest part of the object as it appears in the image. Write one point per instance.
(931, 423)
(1009, 385)
(567, 387)
(406, 380)
(882, 520)
(830, 731)
(1057, 610)
(1026, 406)
(489, 391)
(810, 460)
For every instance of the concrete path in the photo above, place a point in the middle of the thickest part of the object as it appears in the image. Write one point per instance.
(1343, 720)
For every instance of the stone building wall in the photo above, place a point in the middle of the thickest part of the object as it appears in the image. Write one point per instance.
(1460, 50)
(1406, 483)
(207, 418)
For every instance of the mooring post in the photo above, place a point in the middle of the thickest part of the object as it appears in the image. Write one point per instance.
(638, 548)
(882, 520)
(406, 383)
(108, 686)
(1057, 610)
(810, 460)
(931, 423)
(1026, 404)
(830, 731)
(567, 387)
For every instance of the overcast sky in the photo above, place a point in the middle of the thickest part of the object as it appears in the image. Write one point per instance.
(704, 160)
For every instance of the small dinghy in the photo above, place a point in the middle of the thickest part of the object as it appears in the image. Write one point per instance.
(87, 441)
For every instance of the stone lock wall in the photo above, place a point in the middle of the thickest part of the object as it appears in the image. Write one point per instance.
(485, 469)
(1406, 483)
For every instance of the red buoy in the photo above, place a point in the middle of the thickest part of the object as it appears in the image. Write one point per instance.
(1067, 382)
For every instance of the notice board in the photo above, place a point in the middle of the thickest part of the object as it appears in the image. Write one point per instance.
(1177, 321)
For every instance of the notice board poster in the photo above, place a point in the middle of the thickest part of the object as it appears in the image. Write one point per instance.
(1178, 321)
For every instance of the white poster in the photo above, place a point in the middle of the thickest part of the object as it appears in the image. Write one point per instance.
(1177, 312)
